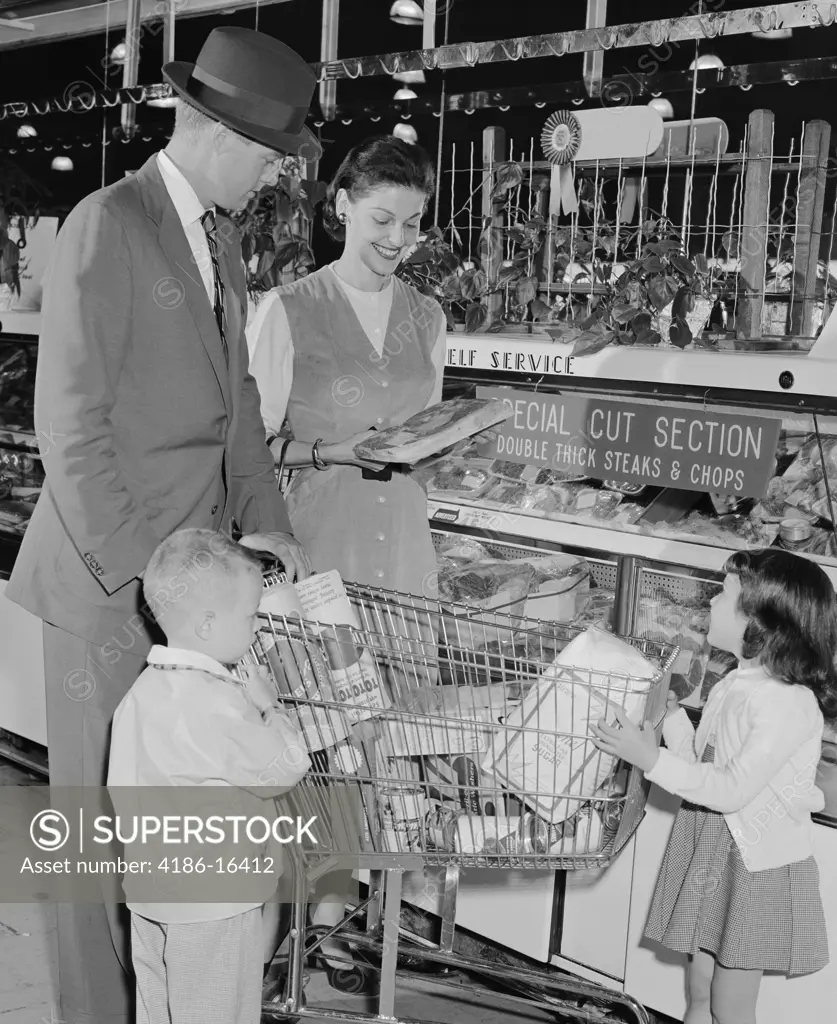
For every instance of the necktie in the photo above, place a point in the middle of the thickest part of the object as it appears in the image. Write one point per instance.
(208, 222)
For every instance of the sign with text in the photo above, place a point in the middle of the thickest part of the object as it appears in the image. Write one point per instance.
(642, 443)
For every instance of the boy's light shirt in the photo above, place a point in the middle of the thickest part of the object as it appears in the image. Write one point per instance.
(187, 721)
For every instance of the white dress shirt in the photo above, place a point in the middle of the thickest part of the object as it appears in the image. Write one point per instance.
(272, 352)
(187, 722)
(767, 737)
(190, 210)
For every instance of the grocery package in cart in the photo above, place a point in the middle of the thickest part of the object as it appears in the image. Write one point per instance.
(495, 764)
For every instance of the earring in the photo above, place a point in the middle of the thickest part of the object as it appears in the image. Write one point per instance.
(341, 217)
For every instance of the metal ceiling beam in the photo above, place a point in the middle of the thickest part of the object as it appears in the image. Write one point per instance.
(90, 19)
(594, 59)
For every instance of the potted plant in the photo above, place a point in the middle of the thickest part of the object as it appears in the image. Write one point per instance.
(661, 295)
(274, 226)
(464, 287)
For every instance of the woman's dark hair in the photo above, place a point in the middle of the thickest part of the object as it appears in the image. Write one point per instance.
(792, 612)
(379, 162)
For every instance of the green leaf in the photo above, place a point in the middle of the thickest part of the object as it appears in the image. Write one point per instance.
(623, 313)
(527, 289)
(496, 327)
(659, 292)
(506, 176)
(540, 310)
(684, 265)
(474, 317)
(652, 264)
(732, 243)
(648, 337)
(451, 287)
(641, 322)
(285, 254)
(679, 333)
(507, 275)
(421, 255)
(449, 317)
(683, 303)
(591, 342)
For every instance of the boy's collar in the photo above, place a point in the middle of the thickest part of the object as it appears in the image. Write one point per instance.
(177, 657)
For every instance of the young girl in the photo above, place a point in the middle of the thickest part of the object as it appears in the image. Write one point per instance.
(739, 888)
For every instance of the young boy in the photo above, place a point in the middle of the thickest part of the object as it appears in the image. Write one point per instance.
(187, 721)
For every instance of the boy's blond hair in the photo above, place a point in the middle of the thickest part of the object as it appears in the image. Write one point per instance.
(190, 559)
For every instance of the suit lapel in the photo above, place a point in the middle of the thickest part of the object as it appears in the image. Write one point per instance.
(175, 245)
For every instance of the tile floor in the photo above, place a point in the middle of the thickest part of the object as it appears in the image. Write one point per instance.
(28, 994)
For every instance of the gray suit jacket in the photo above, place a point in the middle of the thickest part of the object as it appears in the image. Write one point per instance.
(142, 426)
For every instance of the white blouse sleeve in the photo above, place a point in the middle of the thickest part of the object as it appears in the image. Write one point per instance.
(272, 359)
(439, 357)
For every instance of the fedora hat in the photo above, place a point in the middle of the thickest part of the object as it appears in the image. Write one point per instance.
(253, 84)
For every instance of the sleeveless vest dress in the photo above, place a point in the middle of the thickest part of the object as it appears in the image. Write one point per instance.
(373, 532)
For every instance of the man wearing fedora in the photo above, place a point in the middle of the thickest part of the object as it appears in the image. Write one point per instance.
(149, 422)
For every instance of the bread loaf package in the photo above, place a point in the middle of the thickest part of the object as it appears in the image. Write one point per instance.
(548, 757)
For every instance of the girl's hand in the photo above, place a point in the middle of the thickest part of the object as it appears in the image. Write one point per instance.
(672, 704)
(627, 741)
(342, 453)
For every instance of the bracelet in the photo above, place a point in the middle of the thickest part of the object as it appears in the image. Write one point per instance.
(270, 439)
(315, 455)
(280, 465)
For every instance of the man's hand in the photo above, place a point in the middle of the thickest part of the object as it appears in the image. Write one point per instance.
(286, 548)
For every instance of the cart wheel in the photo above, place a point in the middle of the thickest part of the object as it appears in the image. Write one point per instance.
(274, 994)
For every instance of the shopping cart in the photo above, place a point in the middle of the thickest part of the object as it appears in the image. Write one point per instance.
(482, 757)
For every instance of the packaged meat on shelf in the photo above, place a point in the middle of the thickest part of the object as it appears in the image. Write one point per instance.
(798, 490)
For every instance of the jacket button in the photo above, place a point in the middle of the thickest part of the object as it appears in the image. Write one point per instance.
(214, 510)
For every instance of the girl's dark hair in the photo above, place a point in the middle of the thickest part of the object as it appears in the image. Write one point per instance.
(792, 612)
(379, 162)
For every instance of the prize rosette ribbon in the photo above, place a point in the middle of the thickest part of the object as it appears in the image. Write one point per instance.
(560, 141)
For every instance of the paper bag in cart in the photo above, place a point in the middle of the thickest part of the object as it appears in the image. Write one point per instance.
(547, 755)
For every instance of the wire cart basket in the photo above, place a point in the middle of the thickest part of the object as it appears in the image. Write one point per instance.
(462, 743)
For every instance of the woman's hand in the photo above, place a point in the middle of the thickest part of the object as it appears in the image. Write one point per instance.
(627, 741)
(342, 453)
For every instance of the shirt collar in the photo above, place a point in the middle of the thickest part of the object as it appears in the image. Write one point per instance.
(177, 657)
(189, 208)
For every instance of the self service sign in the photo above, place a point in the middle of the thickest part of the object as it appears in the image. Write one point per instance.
(644, 443)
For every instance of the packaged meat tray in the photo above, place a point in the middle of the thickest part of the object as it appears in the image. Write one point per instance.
(433, 430)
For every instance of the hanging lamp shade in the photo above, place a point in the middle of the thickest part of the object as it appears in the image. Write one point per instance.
(62, 163)
(119, 53)
(406, 12)
(410, 77)
(663, 107)
(707, 62)
(405, 132)
(405, 93)
(27, 131)
(774, 34)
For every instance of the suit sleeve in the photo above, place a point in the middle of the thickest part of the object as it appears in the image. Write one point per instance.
(86, 332)
(257, 503)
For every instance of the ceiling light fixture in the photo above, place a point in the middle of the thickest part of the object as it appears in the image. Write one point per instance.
(663, 107)
(119, 53)
(405, 132)
(27, 131)
(411, 77)
(405, 93)
(774, 34)
(62, 163)
(406, 12)
(707, 62)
